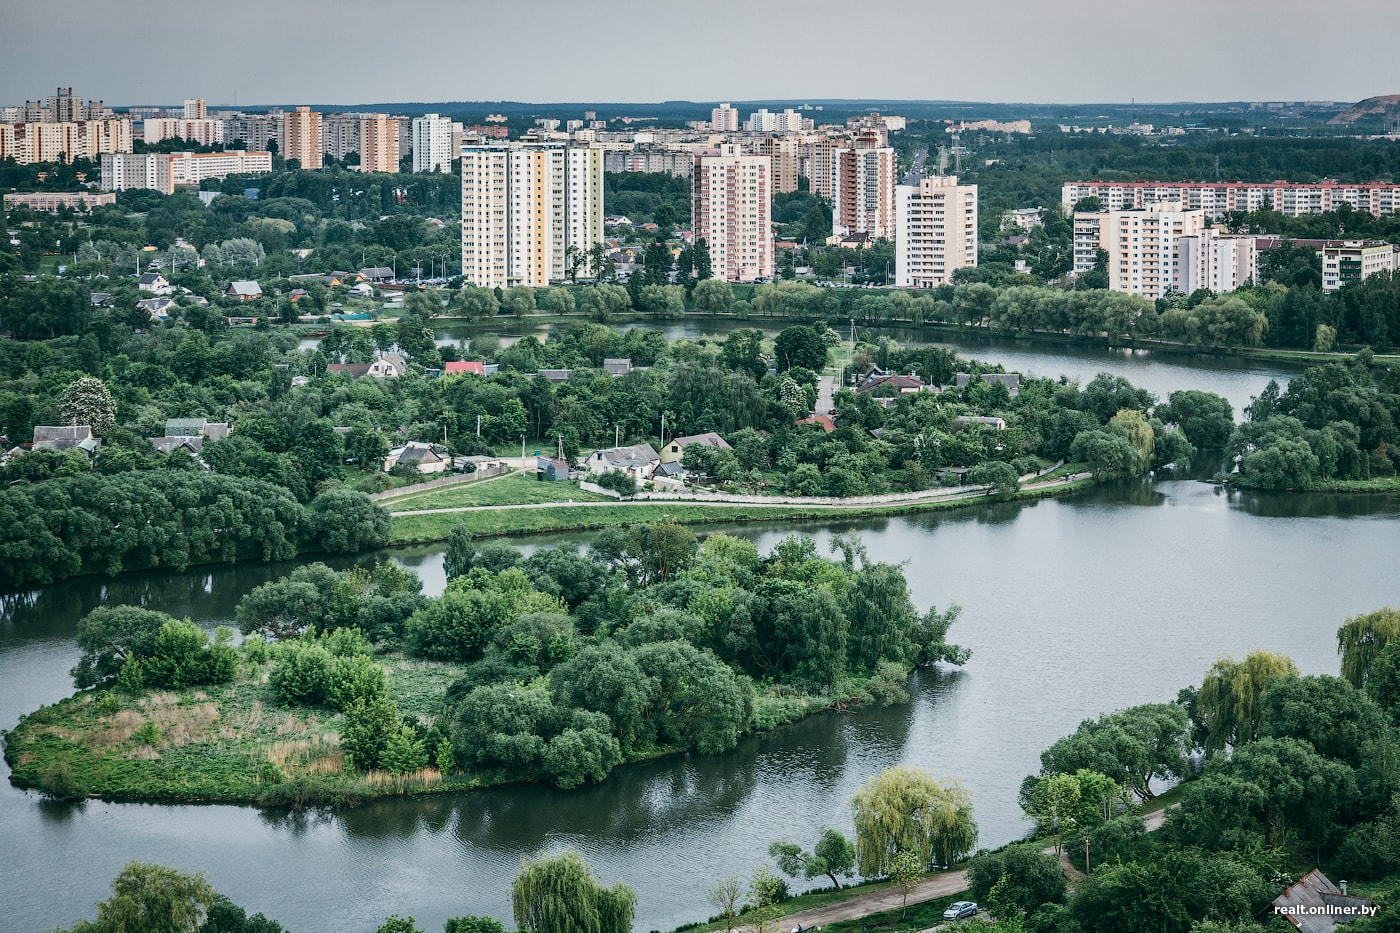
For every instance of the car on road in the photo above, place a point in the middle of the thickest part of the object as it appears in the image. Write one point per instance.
(960, 910)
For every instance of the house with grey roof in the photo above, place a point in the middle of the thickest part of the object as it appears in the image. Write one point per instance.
(419, 455)
(376, 274)
(154, 283)
(61, 437)
(637, 460)
(158, 308)
(967, 421)
(197, 427)
(1315, 905)
(674, 449)
(1012, 381)
(191, 445)
(617, 366)
(244, 290)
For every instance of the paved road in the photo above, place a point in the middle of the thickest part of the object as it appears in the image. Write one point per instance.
(826, 394)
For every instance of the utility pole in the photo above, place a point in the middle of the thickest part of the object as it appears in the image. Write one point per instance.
(617, 435)
(1086, 855)
(478, 425)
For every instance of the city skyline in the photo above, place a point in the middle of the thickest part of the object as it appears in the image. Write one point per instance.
(472, 51)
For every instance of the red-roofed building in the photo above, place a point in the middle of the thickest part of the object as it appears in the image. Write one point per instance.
(456, 367)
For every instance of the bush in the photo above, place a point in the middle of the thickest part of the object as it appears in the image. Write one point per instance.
(148, 734)
(59, 782)
(343, 521)
(302, 675)
(618, 481)
(355, 678)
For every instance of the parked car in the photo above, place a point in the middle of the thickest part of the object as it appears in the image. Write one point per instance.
(960, 910)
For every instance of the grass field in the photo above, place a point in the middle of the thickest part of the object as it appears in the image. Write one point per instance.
(515, 489)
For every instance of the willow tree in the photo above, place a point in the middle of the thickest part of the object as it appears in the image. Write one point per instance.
(558, 894)
(1362, 638)
(1227, 705)
(906, 810)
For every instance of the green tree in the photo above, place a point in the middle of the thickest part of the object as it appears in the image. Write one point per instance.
(88, 401)
(343, 521)
(154, 899)
(1362, 638)
(1134, 746)
(1030, 877)
(369, 727)
(765, 892)
(1000, 478)
(905, 809)
(906, 871)
(558, 894)
(727, 897)
(800, 345)
(1226, 710)
(109, 636)
(713, 296)
(474, 925)
(833, 856)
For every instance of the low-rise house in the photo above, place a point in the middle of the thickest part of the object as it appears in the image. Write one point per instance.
(1315, 905)
(158, 308)
(965, 421)
(891, 383)
(388, 366)
(552, 469)
(362, 290)
(376, 274)
(154, 283)
(99, 299)
(457, 367)
(297, 294)
(617, 366)
(556, 376)
(244, 290)
(193, 445)
(674, 449)
(1012, 381)
(637, 460)
(196, 427)
(419, 455)
(479, 465)
(61, 437)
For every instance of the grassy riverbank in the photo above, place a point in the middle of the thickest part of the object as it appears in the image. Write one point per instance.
(423, 529)
(514, 489)
(1376, 484)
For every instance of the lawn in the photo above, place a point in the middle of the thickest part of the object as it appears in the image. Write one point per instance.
(515, 489)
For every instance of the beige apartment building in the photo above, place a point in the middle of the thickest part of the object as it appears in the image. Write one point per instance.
(301, 137)
(52, 201)
(863, 194)
(1141, 244)
(195, 130)
(935, 231)
(379, 143)
(1347, 261)
(731, 208)
(783, 151)
(63, 142)
(523, 206)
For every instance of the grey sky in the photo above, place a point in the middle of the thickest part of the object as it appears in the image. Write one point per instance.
(362, 51)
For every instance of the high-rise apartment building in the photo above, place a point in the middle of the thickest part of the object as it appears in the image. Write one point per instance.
(523, 206)
(379, 143)
(164, 171)
(724, 119)
(1216, 198)
(340, 136)
(935, 231)
(863, 195)
(731, 208)
(432, 143)
(197, 130)
(819, 161)
(63, 141)
(1141, 244)
(301, 137)
(783, 151)
(255, 130)
(1214, 261)
(194, 109)
(1349, 261)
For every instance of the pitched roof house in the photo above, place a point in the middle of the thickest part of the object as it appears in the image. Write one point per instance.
(903, 385)
(1012, 381)
(196, 427)
(417, 454)
(388, 366)
(674, 449)
(1315, 905)
(155, 283)
(455, 367)
(617, 366)
(61, 437)
(638, 460)
(244, 290)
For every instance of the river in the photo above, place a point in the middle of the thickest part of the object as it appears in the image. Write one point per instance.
(1073, 607)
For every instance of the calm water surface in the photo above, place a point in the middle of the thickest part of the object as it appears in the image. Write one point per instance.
(1072, 607)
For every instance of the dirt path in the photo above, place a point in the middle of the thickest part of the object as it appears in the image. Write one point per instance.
(874, 902)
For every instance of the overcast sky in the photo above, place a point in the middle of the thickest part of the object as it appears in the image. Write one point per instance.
(357, 51)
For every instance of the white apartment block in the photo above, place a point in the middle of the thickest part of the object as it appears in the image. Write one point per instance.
(1215, 261)
(523, 206)
(789, 121)
(724, 119)
(194, 109)
(863, 194)
(163, 171)
(1216, 198)
(935, 231)
(1141, 244)
(379, 143)
(731, 208)
(432, 143)
(202, 131)
(63, 141)
(1352, 260)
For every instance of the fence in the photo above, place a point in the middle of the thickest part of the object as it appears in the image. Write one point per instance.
(454, 480)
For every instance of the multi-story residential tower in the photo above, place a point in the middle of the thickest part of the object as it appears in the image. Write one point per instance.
(432, 143)
(1210, 260)
(198, 130)
(863, 195)
(63, 142)
(1216, 198)
(163, 171)
(379, 143)
(1141, 244)
(935, 231)
(301, 136)
(523, 206)
(194, 109)
(724, 119)
(783, 151)
(731, 208)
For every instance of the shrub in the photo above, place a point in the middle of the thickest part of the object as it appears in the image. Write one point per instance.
(302, 674)
(148, 734)
(59, 782)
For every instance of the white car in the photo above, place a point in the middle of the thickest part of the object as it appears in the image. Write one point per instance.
(960, 910)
